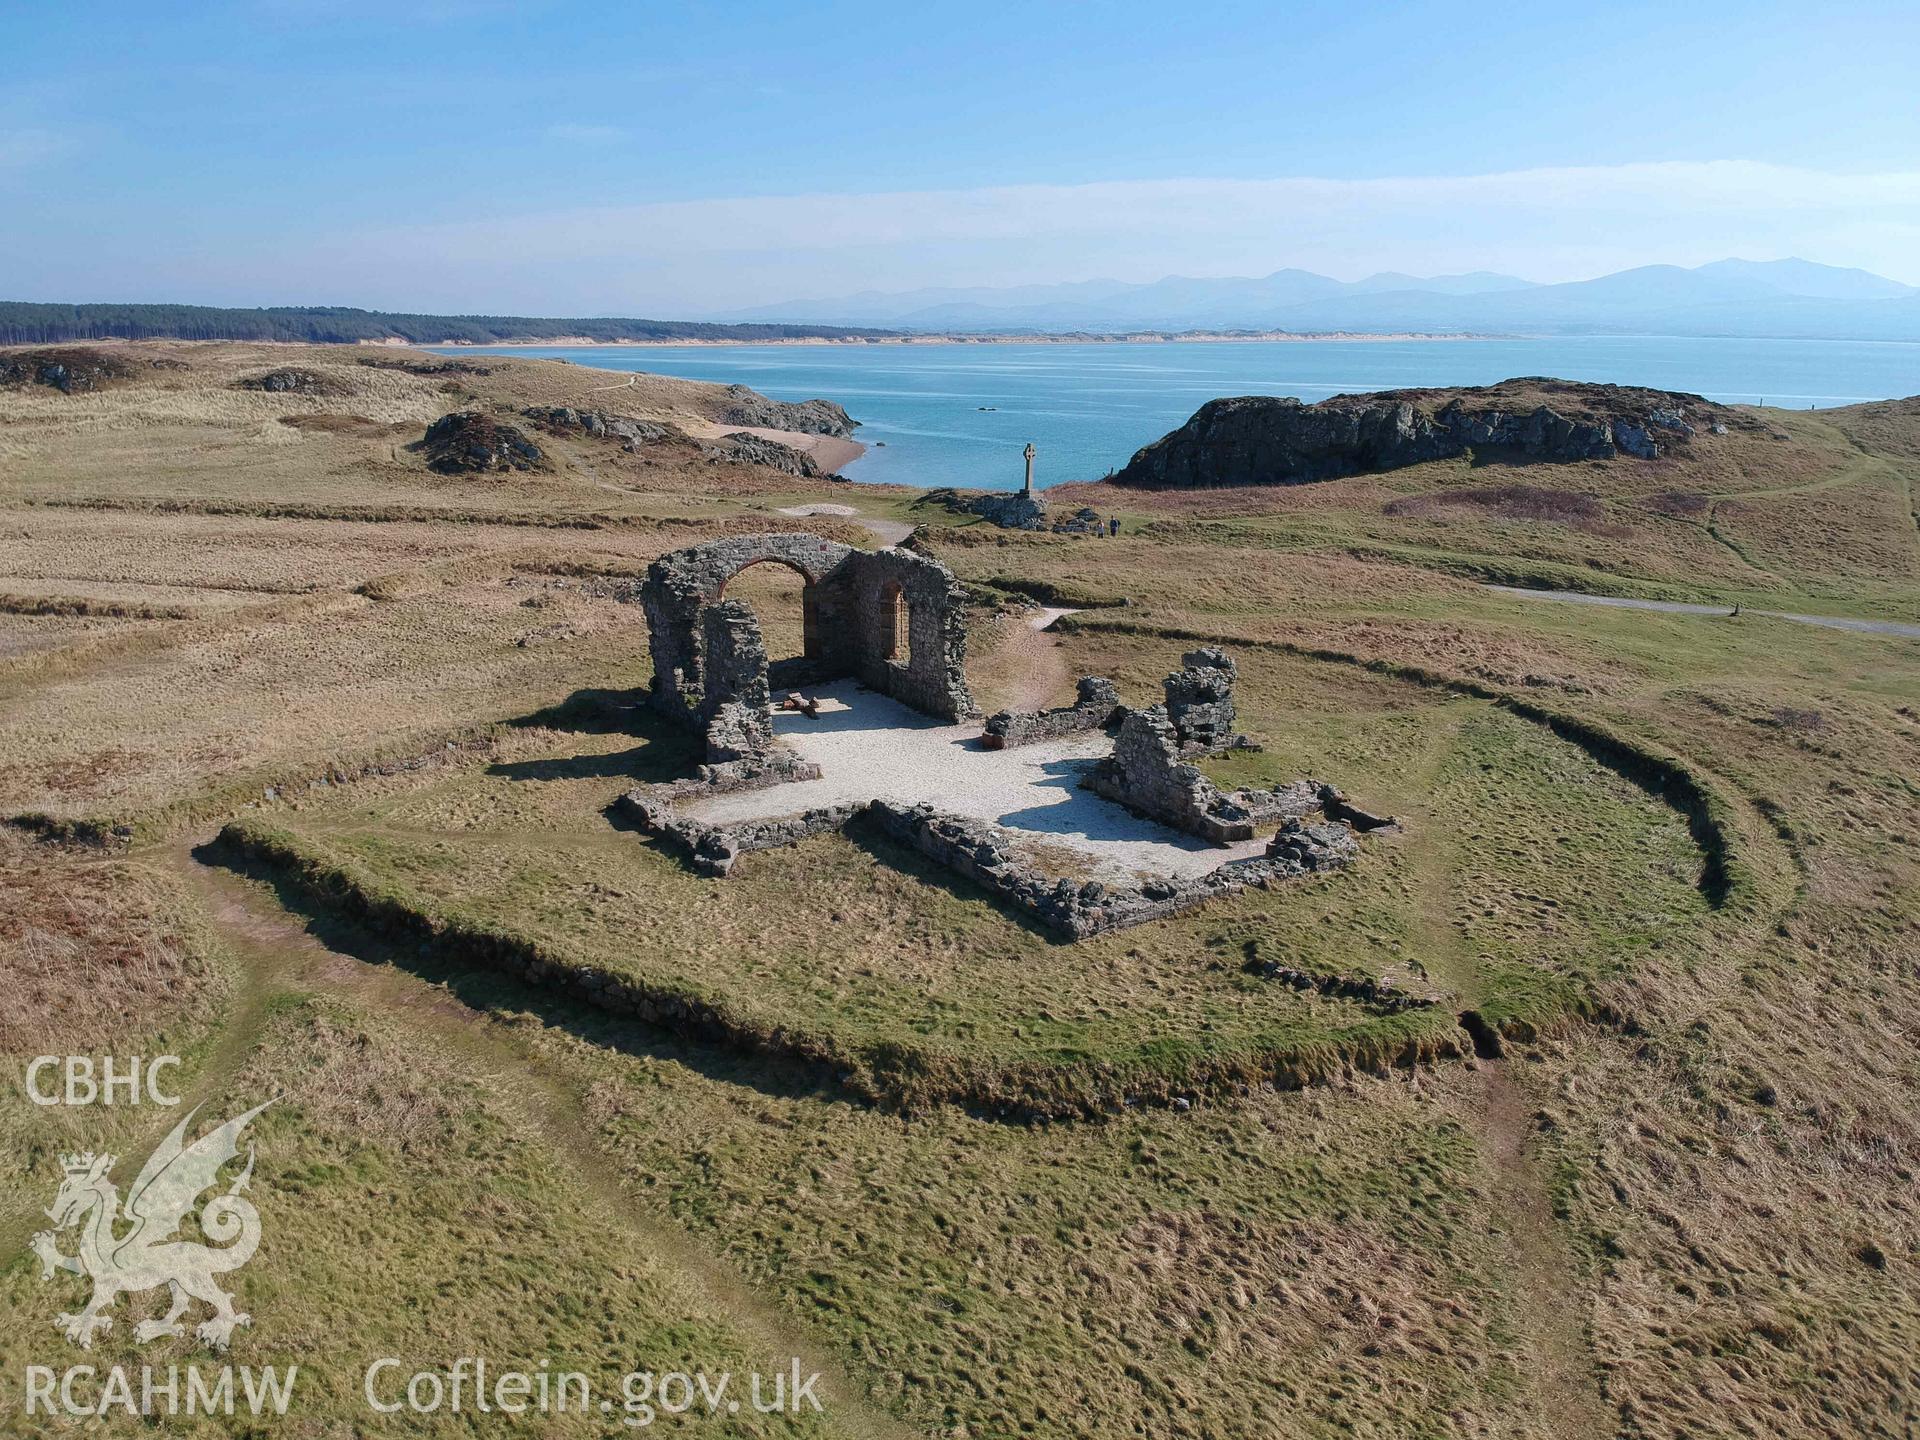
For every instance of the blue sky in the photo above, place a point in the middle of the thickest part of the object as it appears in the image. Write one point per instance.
(680, 159)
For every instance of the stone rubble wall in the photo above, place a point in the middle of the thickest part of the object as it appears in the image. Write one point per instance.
(1095, 709)
(682, 586)
(1149, 771)
(1147, 775)
(715, 849)
(932, 678)
(988, 856)
(735, 659)
(1200, 702)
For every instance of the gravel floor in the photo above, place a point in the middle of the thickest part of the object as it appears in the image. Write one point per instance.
(869, 747)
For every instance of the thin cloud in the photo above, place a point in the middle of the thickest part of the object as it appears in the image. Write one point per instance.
(571, 134)
(1550, 223)
(20, 149)
(712, 256)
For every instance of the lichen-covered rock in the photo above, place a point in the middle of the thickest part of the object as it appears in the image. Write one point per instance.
(1084, 521)
(632, 435)
(742, 448)
(1336, 806)
(745, 407)
(1275, 440)
(294, 381)
(1017, 510)
(469, 442)
(71, 371)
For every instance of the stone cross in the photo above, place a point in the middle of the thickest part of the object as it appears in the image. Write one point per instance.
(1028, 452)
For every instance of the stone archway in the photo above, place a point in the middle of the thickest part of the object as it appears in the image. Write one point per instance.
(789, 616)
(682, 587)
(853, 601)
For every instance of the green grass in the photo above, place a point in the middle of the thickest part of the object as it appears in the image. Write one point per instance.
(865, 959)
(1695, 1165)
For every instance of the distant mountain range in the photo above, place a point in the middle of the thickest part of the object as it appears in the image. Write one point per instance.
(1796, 298)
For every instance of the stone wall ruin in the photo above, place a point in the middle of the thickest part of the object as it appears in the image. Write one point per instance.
(891, 619)
(1150, 770)
(1097, 705)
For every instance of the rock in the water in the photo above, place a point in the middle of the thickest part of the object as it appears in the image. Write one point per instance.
(1268, 440)
(469, 442)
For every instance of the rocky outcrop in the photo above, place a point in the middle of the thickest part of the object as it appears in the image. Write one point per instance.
(1094, 709)
(293, 382)
(742, 448)
(70, 371)
(426, 367)
(469, 442)
(1018, 510)
(1084, 521)
(630, 434)
(746, 407)
(1269, 440)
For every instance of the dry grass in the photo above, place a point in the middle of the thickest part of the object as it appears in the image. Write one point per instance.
(97, 952)
(1728, 1144)
(1517, 502)
(191, 432)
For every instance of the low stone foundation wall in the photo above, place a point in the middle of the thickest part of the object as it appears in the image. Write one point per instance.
(990, 857)
(714, 849)
(987, 855)
(1095, 709)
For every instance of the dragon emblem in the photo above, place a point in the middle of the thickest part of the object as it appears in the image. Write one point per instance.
(149, 1255)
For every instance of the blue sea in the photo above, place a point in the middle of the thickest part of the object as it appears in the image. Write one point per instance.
(960, 414)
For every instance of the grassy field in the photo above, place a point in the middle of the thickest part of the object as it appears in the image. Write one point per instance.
(1677, 857)
(857, 951)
